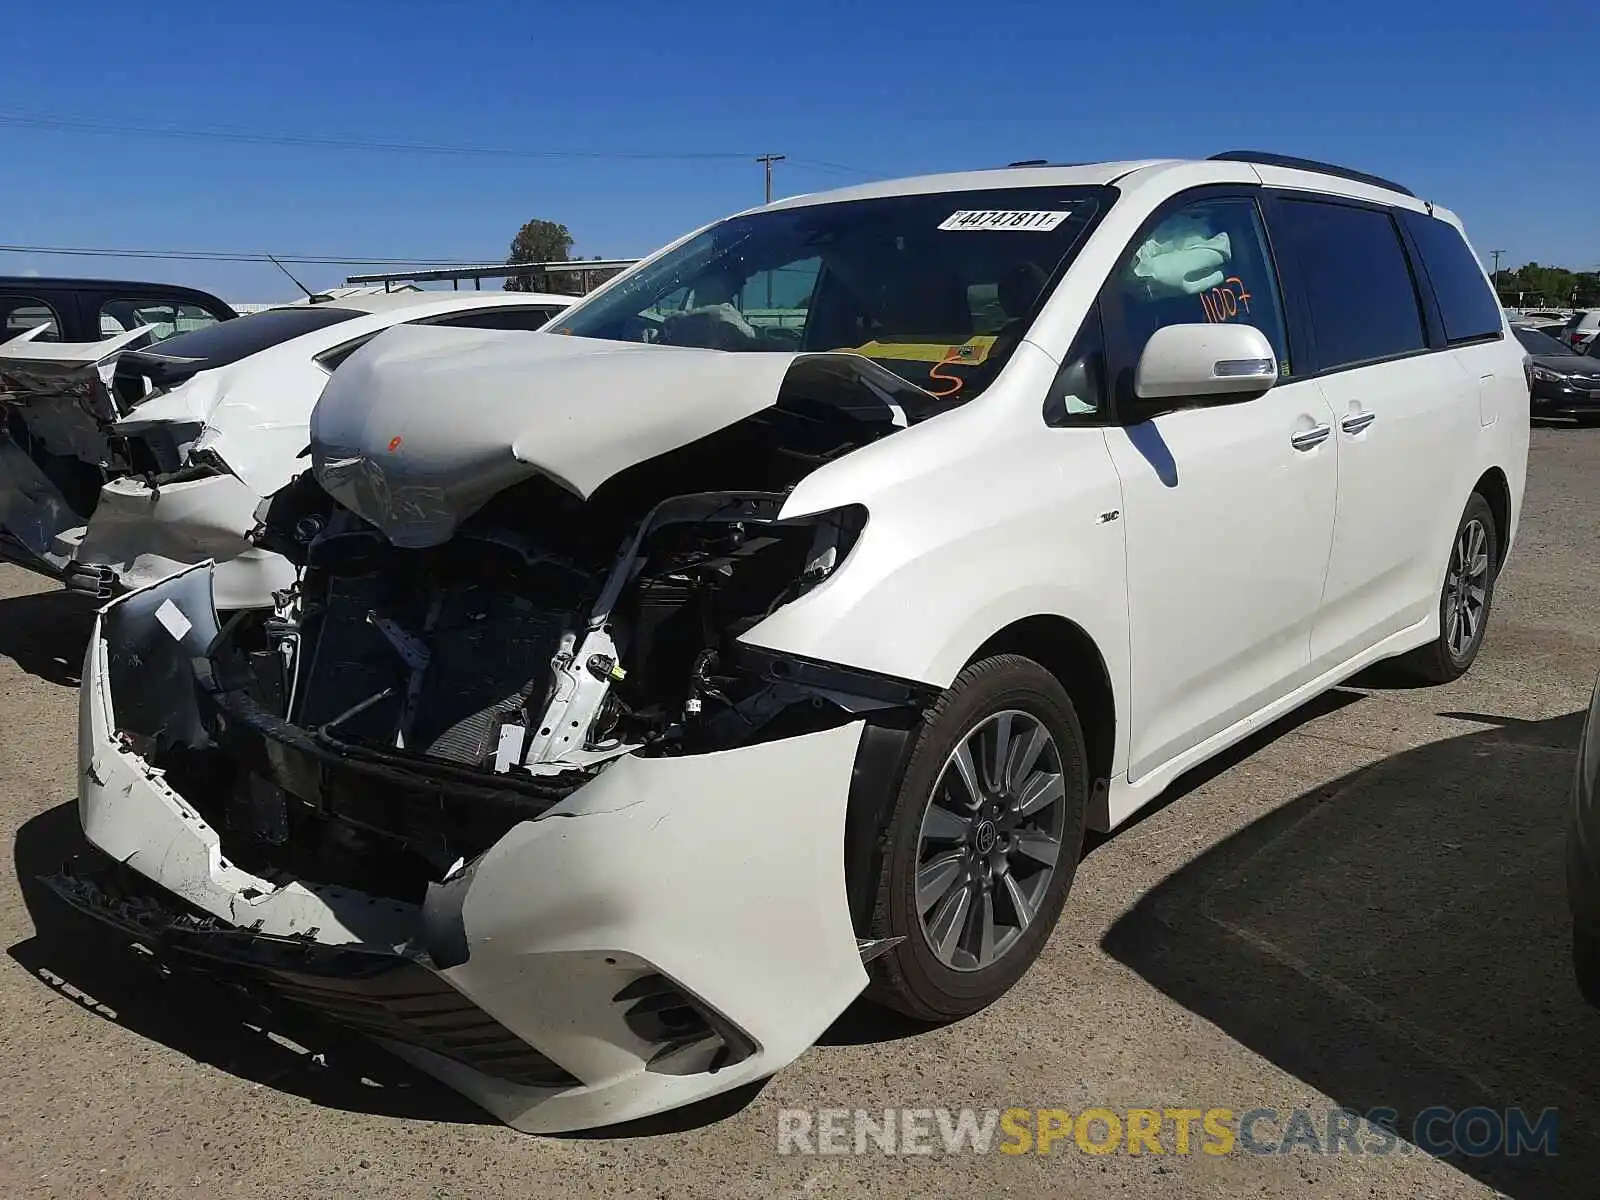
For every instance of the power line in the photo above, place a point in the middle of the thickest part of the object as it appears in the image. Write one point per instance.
(233, 133)
(818, 164)
(238, 256)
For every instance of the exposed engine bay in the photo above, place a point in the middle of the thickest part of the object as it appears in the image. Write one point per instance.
(401, 708)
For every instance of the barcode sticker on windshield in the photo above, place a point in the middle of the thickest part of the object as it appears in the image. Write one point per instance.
(1002, 218)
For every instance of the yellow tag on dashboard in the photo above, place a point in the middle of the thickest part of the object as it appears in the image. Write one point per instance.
(972, 351)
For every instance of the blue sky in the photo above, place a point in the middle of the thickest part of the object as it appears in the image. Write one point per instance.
(1484, 107)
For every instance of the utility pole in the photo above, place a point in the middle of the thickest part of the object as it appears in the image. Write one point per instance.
(1496, 275)
(767, 160)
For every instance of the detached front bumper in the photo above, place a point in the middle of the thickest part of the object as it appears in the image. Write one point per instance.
(139, 535)
(672, 929)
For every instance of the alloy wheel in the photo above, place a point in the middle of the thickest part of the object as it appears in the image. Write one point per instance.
(1466, 589)
(991, 840)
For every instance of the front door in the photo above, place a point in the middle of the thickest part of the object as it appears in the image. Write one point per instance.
(1229, 508)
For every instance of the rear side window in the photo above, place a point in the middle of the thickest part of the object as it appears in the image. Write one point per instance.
(1352, 267)
(18, 314)
(498, 318)
(166, 318)
(1466, 304)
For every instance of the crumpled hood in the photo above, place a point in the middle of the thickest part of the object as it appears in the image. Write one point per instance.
(418, 429)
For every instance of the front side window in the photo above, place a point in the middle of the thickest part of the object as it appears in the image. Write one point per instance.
(1352, 267)
(1205, 263)
(166, 318)
(938, 288)
(1466, 305)
(18, 314)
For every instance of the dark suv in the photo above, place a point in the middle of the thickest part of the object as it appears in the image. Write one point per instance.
(86, 310)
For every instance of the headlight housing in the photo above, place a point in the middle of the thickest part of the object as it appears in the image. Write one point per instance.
(1546, 374)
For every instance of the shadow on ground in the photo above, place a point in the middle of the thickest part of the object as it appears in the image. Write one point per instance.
(1399, 939)
(46, 633)
(206, 1022)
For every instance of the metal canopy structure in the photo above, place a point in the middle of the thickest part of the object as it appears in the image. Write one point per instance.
(580, 267)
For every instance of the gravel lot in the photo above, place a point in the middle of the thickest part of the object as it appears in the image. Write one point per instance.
(1364, 907)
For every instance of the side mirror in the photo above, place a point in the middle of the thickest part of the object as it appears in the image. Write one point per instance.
(1205, 364)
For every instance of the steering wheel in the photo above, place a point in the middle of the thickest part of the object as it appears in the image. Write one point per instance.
(639, 328)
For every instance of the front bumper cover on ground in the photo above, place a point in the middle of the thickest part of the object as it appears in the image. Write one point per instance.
(672, 929)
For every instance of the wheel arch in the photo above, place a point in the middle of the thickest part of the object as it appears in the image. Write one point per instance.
(1066, 650)
(1496, 491)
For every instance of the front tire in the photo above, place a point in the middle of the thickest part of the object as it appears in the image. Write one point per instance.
(983, 842)
(1465, 600)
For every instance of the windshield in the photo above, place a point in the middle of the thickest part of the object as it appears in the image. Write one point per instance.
(937, 288)
(1535, 342)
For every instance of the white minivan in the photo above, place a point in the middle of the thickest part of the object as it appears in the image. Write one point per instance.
(771, 627)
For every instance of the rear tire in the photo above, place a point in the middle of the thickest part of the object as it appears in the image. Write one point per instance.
(1465, 601)
(983, 842)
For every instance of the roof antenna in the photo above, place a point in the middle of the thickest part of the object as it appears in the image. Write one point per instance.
(313, 297)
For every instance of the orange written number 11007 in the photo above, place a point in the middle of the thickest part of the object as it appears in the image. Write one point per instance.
(1224, 303)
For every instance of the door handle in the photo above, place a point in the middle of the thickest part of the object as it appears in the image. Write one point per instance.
(1356, 422)
(1307, 439)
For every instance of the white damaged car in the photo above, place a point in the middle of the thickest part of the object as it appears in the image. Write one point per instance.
(122, 461)
(646, 694)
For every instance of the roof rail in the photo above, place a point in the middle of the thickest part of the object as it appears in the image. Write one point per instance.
(1266, 159)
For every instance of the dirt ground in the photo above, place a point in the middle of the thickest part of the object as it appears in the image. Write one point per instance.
(1363, 907)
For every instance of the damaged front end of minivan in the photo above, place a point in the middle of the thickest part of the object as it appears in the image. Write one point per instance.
(498, 782)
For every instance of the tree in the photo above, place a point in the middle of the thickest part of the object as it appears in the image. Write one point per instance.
(1533, 285)
(537, 241)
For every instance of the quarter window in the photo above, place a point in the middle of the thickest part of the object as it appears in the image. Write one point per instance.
(1469, 309)
(1358, 285)
(18, 314)
(1205, 263)
(1077, 395)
